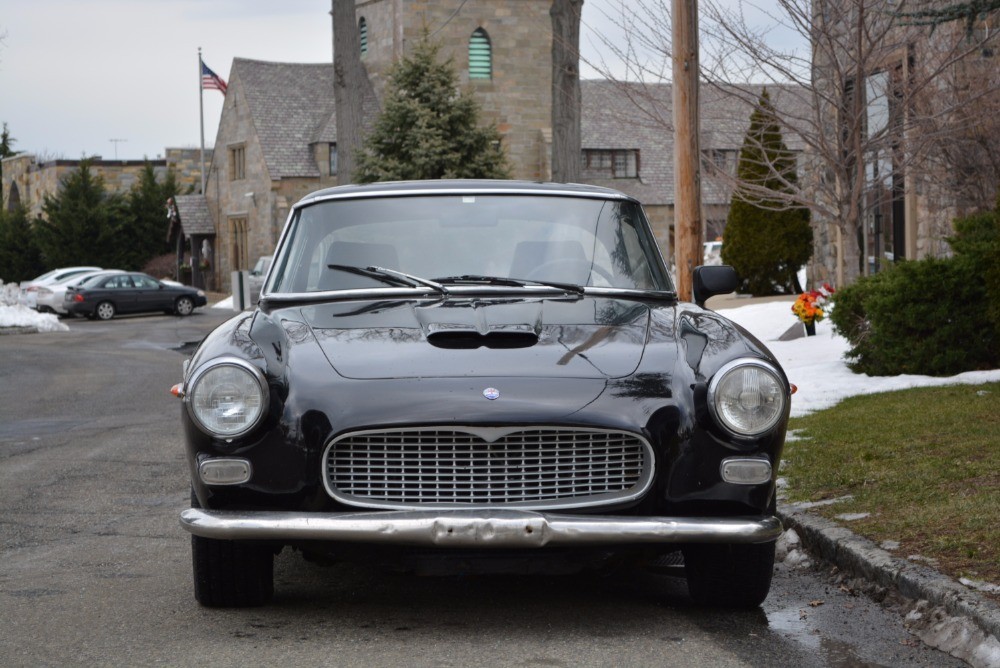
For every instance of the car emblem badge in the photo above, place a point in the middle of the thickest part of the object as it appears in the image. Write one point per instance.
(491, 393)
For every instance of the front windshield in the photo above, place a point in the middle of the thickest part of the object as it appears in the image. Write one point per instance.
(462, 238)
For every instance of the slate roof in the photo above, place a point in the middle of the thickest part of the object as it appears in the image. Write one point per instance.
(618, 115)
(292, 106)
(194, 215)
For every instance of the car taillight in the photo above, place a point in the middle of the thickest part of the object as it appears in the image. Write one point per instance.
(78, 297)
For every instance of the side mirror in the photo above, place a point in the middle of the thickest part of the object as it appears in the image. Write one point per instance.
(711, 280)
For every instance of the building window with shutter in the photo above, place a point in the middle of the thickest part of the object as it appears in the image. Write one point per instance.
(237, 163)
(363, 34)
(480, 55)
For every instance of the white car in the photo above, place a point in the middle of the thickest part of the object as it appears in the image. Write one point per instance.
(49, 298)
(713, 252)
(29, 289)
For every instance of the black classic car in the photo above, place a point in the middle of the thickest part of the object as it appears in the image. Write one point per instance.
(494, 374)
(107, 296)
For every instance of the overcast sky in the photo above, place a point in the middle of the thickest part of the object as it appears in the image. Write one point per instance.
(75, 75)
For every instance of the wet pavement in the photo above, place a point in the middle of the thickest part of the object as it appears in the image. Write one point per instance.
(95, 570)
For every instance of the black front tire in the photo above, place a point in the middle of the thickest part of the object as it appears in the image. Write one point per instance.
(729, 576)
(231, 573)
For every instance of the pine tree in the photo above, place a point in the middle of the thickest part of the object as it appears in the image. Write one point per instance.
(81, 222)
(142, 233)
(6, 149)
(427, 128)
(766, 241)
(20, 259)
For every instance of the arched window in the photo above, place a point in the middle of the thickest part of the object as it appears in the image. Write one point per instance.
(480, 55)
(363, 30)
(13, 197)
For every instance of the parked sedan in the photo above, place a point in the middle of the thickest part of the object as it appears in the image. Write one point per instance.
(29, 289)
(52, 298)
(482, 376)
(131, 293)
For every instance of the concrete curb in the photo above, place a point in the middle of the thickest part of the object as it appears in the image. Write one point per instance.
(861, 557)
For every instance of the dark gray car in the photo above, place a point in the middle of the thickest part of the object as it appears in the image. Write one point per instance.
(131, 293)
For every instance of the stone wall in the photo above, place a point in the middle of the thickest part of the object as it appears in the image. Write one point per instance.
(34, 180)
(186, 163)
(518, 99)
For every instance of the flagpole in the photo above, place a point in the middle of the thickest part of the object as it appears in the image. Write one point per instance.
(201, 116)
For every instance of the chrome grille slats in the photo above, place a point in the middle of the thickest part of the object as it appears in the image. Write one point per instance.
(527, 467)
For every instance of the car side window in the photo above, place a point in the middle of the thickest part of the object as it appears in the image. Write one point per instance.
(145, 282)
(119, 282)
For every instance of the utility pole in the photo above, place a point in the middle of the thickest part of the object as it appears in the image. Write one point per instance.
(687, 155)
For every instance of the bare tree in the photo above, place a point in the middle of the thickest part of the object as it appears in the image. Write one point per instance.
(873, 114)
(349, 87)
(566, 151)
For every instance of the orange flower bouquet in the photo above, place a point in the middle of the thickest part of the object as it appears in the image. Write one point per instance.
(809, 307)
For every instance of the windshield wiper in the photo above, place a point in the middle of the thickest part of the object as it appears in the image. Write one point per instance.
(475, 279)
(390, 276)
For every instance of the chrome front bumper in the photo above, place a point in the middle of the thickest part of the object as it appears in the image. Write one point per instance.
(499, 528)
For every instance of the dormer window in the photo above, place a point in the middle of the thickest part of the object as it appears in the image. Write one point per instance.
(480, 55)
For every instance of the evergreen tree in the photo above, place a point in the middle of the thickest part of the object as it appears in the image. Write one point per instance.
(427, 128)
(20, 259)
(81, 222)
(6, 150)
(766, 240)
(142, 233)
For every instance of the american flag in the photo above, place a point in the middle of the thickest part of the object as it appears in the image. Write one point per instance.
(210, 80)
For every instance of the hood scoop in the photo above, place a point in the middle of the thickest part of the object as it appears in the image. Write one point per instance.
(454, 338)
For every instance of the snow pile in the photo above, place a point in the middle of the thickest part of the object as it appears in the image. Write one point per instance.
(13, 314)
(815, 363)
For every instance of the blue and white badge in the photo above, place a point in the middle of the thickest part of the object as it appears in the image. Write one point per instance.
(491, 393)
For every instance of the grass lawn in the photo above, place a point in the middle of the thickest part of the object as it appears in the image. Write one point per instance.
(924, 463)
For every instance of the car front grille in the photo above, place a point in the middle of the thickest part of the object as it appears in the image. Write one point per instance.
(526, 467)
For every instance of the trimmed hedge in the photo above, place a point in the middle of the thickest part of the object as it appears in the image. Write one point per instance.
(932, 317)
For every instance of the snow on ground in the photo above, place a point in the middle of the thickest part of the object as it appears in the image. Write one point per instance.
(22, 316)
(814, 363)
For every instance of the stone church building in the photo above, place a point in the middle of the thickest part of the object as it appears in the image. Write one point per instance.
(277, 141)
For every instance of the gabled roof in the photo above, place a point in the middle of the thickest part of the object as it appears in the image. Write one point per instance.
(619, 115)
(292, 106)
(192, 215)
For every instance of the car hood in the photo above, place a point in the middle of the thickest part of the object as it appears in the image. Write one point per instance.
(561, 337)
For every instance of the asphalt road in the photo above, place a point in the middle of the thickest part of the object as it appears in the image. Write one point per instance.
(94, 569)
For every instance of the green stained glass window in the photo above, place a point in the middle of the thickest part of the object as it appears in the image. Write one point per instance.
(480, 55)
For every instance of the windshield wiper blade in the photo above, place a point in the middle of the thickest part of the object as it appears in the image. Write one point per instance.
(511, 282)
(390, 276)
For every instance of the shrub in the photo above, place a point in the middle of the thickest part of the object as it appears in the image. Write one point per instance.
(977, 237)
(162, 266)
(925, 317)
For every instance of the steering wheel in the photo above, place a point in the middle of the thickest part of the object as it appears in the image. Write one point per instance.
(569, 266)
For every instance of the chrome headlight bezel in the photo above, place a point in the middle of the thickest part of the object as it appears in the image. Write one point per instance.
(716, 390)
(193, 384)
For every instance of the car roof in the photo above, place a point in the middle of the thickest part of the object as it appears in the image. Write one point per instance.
(462, 186)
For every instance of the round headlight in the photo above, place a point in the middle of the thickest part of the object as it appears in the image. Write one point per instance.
(747, 397)
(227, 397)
